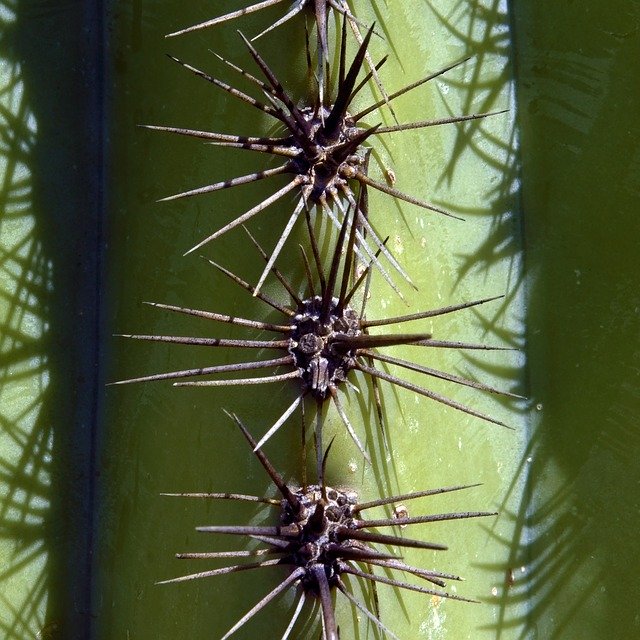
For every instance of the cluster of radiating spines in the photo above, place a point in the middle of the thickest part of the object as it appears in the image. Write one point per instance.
(323, 538)
(322, 10)
(322, 338)
(325, 152)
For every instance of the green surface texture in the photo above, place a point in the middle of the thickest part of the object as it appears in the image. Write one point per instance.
(550, 194)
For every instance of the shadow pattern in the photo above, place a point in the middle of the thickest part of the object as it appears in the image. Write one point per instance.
(50, 206)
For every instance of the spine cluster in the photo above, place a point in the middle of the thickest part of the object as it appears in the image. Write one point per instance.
(321, 335)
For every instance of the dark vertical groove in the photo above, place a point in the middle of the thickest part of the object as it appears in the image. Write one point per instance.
(521, 532)
(58, 49)
(96, 44)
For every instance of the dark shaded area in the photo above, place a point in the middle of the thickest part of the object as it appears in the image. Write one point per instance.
(52, 149)
(576, 67)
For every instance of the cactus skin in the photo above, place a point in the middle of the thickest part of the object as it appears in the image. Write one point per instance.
(177, 439)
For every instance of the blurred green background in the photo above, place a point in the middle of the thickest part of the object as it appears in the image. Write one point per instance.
(550, 194)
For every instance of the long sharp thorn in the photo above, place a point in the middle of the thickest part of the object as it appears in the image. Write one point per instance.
(454, 344)
(213, 555)
(320, 11)
(245, 285)
(327, 294)
(328, 616)
(442, 375)
(279, 422)
(225, 17)
(225, 184)
(285, 152)
(371, 536)
(362, 219)
(315, 250)
(429, 394)
(222, 571)
(376, 621)
(317, 438)
(273, 541)
(402, 585)
(276, 478)
(285, 18)
(303, 450)
(343, 54)
(366, 341)
(344, 552)
(285, 283)
(342, 99)
(289, 531)
(377, 397)
(347, 424)
(276, 251)
(325, 459)
(363, 276)
(361, 177)
(438, 517)
(423, 124)
(294, 618)
(345, 149)
(229, 89)
(432, 576)
(224, 496)
(219, 317)
(429, 314)
(263, 85)
(368, 77)
(411, 496)
(348, 260)
(307, 270)
(209, 342)
(296, 575)
(249, 214)
(234, 382)
(365, 296)
(203, 371)
(298, 119)
(409, 87)
(217, 137)
(370, 262)
(354, 24)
